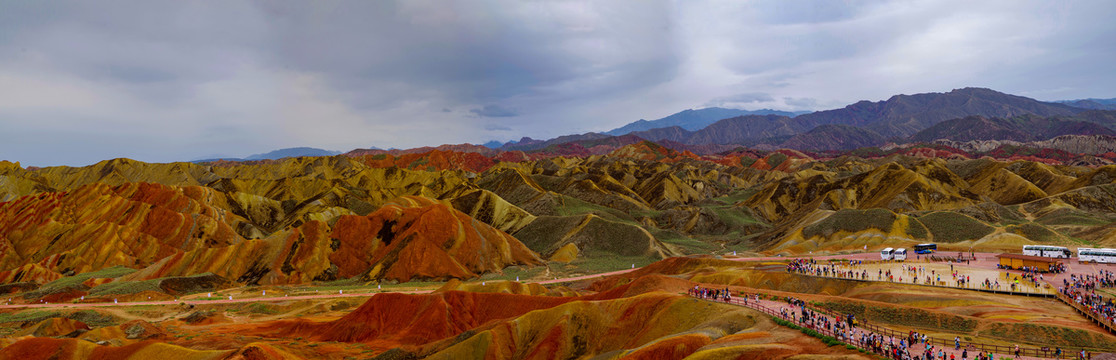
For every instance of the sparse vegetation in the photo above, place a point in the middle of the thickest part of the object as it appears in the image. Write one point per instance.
(125, 287)
(688, 244)
(75, 282)
(775, 159)
(28, 315)
(573, 206)
(1035, 232)
(902, 316)
(1071, 217)
(261, 308)
(950, 227)
(854, 220)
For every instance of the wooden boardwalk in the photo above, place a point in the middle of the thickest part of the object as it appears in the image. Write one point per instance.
(1089, 314)
(1046, 352)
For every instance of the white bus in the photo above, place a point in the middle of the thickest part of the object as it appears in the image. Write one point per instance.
(900, 254)
(885, 254)
(1107, 256)
(1047, 251)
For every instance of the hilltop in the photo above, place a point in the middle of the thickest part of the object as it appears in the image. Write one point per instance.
(640, 200)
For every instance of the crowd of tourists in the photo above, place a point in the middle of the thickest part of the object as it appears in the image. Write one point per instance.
(1054, 268)
(844, 269)
(846, 328)
(1029, 277)
(900, 348)
(720, 295)
(852, 270)
(1089, 282)
(1082, 290)
(711, 294)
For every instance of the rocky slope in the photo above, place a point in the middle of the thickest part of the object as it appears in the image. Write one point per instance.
(1020, 129)
(371, 216)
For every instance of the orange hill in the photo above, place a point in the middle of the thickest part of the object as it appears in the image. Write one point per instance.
(420, 237)
(412, 237)
(454, 325)
(176, 231)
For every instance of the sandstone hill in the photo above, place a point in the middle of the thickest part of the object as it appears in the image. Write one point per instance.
(370, 216)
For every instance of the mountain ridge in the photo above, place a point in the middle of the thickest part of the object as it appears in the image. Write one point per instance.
(1091, 103)
(1020, 128)
(276, 154)
(695, 119)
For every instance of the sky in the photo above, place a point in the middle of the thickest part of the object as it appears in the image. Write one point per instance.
(164, 81)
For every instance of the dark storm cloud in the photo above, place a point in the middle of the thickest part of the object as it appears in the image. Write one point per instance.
(83, 81)
(494, 111)
(471, 52)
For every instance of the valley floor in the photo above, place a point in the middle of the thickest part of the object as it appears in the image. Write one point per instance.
(331, 322)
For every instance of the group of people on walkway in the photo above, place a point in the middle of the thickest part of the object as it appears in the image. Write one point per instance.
(848, 329)
(844, 269)
(1082, 290)
(909, 273)
(1090, 282)
(1057, 268)
(1029, 277)
(712, 294)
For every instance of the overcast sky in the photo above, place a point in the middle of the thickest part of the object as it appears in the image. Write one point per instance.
(181, 80)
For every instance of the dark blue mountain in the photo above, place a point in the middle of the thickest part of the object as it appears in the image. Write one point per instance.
(292, 152)
(1091, 104)
(694, 120)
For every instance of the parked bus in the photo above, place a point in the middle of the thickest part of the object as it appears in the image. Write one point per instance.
(900, 254)
(925, 248)
(1060, 252)
(885, 254)
(1107, 256)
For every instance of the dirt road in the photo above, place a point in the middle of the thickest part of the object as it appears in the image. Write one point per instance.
(983, 261)
(276, 298)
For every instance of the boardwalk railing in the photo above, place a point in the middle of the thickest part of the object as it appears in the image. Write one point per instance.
(947, 344)
(1106, 324)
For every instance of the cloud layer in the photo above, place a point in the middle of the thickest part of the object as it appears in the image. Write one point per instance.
(163, 81)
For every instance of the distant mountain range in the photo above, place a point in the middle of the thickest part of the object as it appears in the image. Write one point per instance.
(1022, 128)
(968, 114)
(695, 119)
(1092, 104)
(279, 154)
(834, 137)
(867, 123)
(905, 115)
(293, 152)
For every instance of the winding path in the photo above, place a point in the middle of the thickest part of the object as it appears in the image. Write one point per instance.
(278, 298)
(983, 260)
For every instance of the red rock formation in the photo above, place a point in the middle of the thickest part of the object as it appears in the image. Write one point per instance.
(419, 237)
(176, 231)
(98, 226)
(435, 160)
